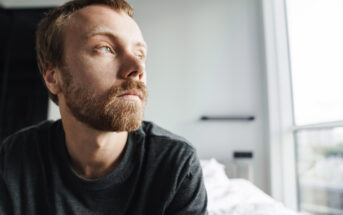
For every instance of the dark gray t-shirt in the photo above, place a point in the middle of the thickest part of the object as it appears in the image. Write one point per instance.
(159, 173)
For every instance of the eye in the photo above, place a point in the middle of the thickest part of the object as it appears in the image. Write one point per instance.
(141, 56)
(106, 49)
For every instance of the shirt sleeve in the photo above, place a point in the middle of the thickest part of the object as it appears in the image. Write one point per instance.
(5, 202)
(191, 196)
(4, 198)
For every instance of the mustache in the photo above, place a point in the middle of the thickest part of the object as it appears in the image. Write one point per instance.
(127, 86)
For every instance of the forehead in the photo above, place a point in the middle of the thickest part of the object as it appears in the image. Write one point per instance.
(100, 18)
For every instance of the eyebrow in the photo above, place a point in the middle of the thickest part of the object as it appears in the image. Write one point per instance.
(111, 34)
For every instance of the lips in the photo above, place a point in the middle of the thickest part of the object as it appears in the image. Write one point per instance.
(132, 93)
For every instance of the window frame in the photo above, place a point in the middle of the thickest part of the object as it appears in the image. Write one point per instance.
(281, 127)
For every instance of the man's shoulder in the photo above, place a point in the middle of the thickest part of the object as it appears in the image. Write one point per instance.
(31, 130)
(162, 138)
(23, 138)
(152, 129)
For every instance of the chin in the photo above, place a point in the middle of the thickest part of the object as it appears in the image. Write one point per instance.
(132, 126)
(117, 123)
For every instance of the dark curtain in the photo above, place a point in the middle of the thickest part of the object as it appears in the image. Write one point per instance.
(23, 97)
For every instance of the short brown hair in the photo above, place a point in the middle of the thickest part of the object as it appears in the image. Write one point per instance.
(49, 34)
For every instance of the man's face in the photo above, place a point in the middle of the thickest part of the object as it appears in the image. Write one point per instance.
(104, 72)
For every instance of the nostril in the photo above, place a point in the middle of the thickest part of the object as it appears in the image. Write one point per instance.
(141, 76)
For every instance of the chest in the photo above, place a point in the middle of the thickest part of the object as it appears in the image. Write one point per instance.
(50, 193)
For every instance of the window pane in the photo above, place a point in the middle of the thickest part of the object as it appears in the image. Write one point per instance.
(316, 52)
(320, 170)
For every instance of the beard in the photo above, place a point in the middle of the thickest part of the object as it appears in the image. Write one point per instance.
(107, 112)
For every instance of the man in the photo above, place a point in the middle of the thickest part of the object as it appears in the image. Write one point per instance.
(100, 158)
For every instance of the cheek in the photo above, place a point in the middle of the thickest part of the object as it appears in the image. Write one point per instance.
(98, 73)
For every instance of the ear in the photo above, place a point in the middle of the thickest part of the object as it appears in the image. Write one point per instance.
(51, 79)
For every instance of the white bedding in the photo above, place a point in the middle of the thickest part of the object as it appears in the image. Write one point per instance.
(236, 196)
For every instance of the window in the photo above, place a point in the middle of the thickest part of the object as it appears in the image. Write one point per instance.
(315, 35)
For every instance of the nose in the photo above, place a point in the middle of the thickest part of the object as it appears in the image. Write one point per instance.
(132, 67)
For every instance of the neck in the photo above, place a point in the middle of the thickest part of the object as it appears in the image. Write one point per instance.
(93, 153)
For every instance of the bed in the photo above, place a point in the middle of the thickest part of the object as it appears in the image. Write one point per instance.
(236, 196)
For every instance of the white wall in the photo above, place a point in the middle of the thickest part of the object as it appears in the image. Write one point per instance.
(206, 57)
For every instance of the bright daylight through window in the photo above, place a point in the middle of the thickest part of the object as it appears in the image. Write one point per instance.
(316, 55)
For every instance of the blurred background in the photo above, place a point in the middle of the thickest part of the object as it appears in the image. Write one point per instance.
(255, 84)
